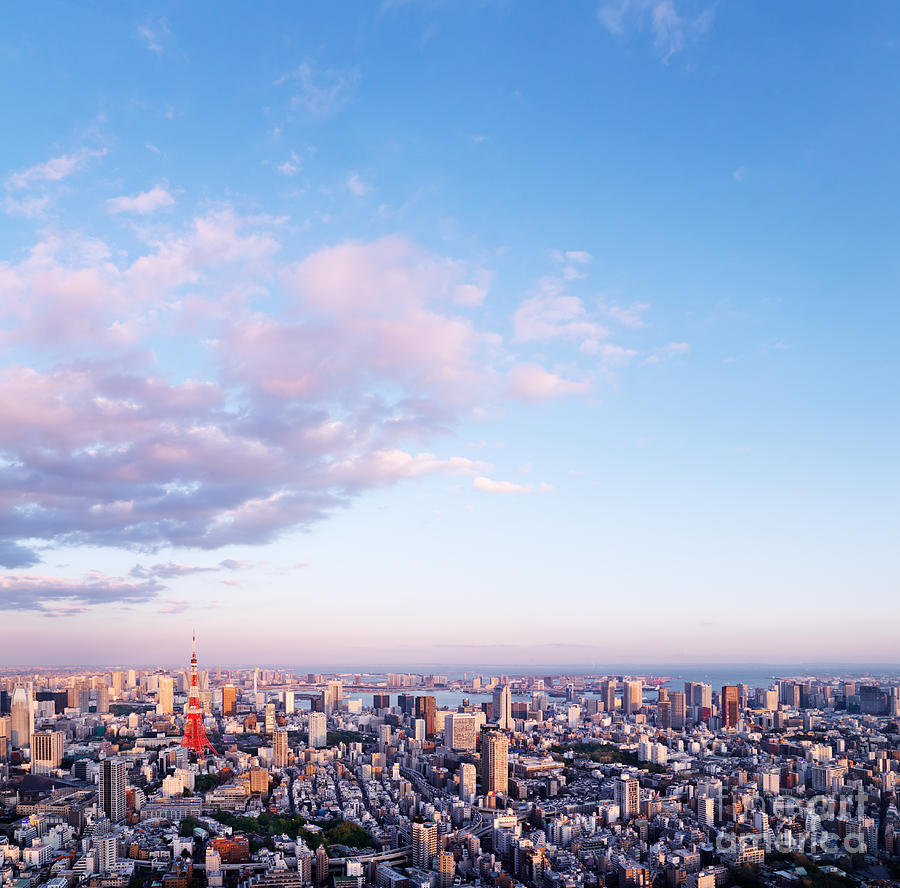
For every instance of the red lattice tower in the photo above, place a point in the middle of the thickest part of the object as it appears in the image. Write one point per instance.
(194, 736)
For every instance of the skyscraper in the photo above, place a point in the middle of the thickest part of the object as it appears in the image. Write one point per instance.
(467, 777)
(730, 706)
(424, 843)
(426, 709)
(280, 752)
(676, 698)
(46, 751)
(229, 700)
(502, 708)
(165, 697)
(628, 796)
(270, 718)
(111, 797)
(495, 763)
(334, 696)
(461, 731)
(21, 718)
(318, 729)
(608, 694)
(633, 697)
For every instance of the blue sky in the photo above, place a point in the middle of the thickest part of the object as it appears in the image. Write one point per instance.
(450, 333)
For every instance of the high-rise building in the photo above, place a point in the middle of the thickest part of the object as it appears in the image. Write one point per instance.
(46, 751)
(289, 705)
(21, 718)
(111, 798)
(461, 731)
(165, 695)
(407, 703)
(633, 698)
(334, 696)
(467, 777)
(270, 718)
(426, 709)
(446, 867)
(280, 751)
(730, 706)
(627, 794)
(676, 698)
(105, 846)
(381, 701)
(502, 708)
(424, 843)
(318, 730)
(608, 694)
(229, 699)
(321, 866)
(495, 763)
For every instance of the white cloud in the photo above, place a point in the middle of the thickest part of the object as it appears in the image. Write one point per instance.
(531, 382)
(157, 198)
(30, 207)
(52, 170)
(671, 30)
(321, 92)
(488, 485)
(154, 34)
(356, 186)
(550, 314)
(290, 167)
(666, 352)
(628, 315)
(740, 173)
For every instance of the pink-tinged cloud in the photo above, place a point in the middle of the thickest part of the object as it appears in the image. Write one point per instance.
(54, 596)
(157, 198)
(531, 382)
(52, 170)
(488, 485)
(553, 315)
(276, 390)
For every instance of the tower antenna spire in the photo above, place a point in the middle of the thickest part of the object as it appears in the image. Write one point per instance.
(194, 734)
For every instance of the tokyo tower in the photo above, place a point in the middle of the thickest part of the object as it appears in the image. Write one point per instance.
(194, 736)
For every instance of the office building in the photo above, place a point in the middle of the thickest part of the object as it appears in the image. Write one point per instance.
(280, 750)
(467, 778)
(627, 795)
(502, 708)
(229, 699)
(426, 709)
(111, 798)
(46, 751)
(461, 731)
(318, 730)
(633, 697)
(495, 763)
(21, 718)
(334, 696)
(730, 706)
(165, 695)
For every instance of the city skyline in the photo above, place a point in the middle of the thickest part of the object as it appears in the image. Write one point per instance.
(421, 333)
